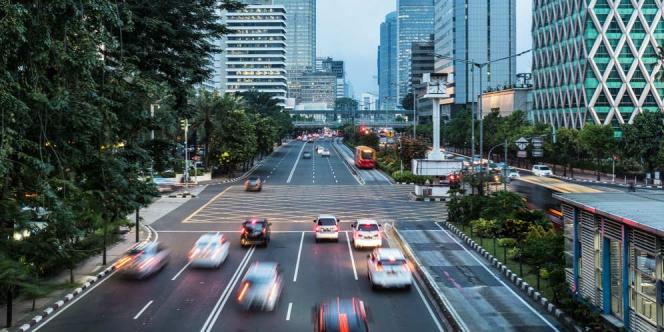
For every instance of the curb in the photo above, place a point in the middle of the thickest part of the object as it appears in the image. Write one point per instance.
(515, 279)
(440, 300)
(413, 197)
(34, 321)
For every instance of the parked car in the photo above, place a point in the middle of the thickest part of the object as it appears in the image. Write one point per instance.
(541, 170)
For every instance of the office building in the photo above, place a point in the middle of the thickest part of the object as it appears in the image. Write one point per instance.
(368, 101)
(613, 251)
(254, 51)
(422, 61)
(328, 64)
(301, 37)
(478, 31)
(387, 63)
(603, 69)
(415, 22)
(316, 87)
(509, 98)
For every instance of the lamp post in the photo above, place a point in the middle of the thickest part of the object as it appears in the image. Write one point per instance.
(480, 66)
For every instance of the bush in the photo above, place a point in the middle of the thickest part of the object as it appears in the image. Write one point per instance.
(409, 177)
(507, 242)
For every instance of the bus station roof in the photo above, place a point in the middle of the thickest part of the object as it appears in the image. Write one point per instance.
(639, 210)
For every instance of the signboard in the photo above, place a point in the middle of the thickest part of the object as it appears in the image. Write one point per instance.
(522, 154)
(522, 144)
(537, 147)
(538, 153)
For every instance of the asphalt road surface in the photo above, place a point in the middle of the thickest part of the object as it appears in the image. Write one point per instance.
(180, 298)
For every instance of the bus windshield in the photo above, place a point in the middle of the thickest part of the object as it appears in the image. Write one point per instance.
(367, 154)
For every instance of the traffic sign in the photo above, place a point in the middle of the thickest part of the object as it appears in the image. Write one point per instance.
(522, 143)
(522, 154)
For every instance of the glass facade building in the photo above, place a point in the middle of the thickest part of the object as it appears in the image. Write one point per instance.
(596, 61)
(254, 51)
(387, 63)
(415, 22)
(477, 31)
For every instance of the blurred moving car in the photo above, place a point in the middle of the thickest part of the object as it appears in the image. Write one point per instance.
(255, 231)
(143, 260)
(366, 233)
(253, 183)
(327, 227)
(261, 287)
(211, 250)
(513, 173)
(325, 153)
(388, 268)
(541, 170)
(306, 155)
(341, 315)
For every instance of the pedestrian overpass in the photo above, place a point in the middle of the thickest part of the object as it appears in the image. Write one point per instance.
(311, 119)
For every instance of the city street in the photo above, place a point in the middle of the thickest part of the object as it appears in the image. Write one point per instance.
(180, 298)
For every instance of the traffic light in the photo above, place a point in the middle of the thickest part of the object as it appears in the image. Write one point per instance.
(184, 123)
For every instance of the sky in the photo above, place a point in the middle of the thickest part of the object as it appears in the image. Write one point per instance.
(349, 30)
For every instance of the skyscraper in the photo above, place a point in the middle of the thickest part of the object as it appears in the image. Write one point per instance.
(387, 63)
(254, 52)
(415, 22)
(301, 37)
(604, 69)
(478, 31)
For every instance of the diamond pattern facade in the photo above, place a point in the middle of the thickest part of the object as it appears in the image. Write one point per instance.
(595, 61)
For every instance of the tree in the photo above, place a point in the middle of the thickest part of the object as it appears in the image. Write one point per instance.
(13, 276)
(412, 149)
(599, 142)
(642, 139)
(458, 131)
(542, 248)
(407, 102)
(345, 104)
(568, 147)
(206, 104)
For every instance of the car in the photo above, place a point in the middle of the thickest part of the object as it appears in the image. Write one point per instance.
(366, 234)
(513, 173)
(306, 155)
(210, 250)
(327, 228)
(261, 287)
(255, 231)
(541, 170)
(324, 153)
(310, 140)
(143, 260)
(388, 268)
(341, 315)
(253, 183)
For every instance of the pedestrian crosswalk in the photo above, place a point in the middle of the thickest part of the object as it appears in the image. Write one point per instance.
(303, 203)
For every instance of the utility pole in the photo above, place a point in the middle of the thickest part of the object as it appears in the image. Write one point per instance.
(472, 114)
(414, 114)
(185, 124)
(505, 168)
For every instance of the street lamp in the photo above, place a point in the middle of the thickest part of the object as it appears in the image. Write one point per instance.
(480, 66)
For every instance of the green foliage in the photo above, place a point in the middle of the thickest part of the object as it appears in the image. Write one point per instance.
(409, 177)
(507, 242)
(407, 102)
(643, 138)
(599, 141)
(345, 104)
(485, 227)
(412, 149)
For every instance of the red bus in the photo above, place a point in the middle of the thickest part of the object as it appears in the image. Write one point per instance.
(365, 157)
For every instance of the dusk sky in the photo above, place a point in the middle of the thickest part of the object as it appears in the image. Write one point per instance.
(349, 30)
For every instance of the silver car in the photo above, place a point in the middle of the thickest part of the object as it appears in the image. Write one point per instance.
(211, 250)
(261, 287)
(388, 268)
(143, 260)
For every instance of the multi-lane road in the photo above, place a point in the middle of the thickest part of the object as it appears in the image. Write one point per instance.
(180, 298)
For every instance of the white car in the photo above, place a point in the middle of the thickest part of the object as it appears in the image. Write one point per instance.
(513, 173)
(388, 268)
(211, 250)
(261, 287)
(324, 153)
(327, 227)
(542, 170)
(366, 234)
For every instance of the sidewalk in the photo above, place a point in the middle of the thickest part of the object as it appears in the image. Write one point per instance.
(90, 267)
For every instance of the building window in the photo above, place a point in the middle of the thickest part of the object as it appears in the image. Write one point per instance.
(643, 285)
(569, 244)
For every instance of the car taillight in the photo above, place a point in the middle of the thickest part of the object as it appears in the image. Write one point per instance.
(193, 253)
(264, 230)
(317, 228)
(243, 291)
(336, 228)
(243, 230)
(379, 267)
(406, 268)
(122, 262)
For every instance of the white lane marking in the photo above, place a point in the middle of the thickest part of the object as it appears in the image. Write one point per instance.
(296, 162)
(142, 310)
(181, 270)
(352, 259)
(75, 300)
(219, 306)
(297, 264)
(206, 205)
(343, 161)
(498, 279)
(426, 303)
(290, 306)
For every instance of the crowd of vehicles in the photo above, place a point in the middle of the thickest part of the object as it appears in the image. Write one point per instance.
(365, 157)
